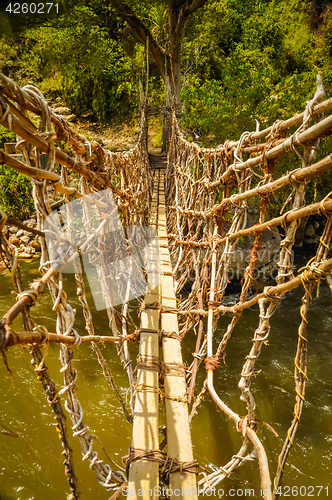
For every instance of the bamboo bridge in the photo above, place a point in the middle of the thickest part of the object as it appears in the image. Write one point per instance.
(160, 231)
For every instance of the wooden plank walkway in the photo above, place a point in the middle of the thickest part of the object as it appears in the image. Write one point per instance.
(143, 474)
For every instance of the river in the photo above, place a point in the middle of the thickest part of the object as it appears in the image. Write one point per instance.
(30, 453)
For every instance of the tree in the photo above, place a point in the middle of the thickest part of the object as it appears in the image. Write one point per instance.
(167, 59)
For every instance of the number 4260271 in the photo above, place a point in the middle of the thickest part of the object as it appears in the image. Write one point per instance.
(32, 8)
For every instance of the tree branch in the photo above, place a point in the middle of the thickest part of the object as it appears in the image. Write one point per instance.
(182, 11)
(142, 33)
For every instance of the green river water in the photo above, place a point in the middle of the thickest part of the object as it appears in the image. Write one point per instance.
(30, 451)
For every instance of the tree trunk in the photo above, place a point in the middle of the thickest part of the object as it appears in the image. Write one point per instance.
(167, 119)
(178, 12)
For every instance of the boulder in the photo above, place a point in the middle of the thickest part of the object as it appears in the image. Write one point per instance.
(72, 118)
(24, 255)
(62, 110)
(310, 231)
(14, 240)
(12, 229)
(35, 244)
(25, 239)
(30, 222)
(20, 233)
(25, 250)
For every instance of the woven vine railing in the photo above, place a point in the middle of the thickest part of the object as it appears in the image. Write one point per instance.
(114, 191)
(207, 193)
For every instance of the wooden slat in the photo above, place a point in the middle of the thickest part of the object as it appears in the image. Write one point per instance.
(178, 431)
(144, 475)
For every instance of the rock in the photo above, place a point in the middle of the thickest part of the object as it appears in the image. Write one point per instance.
(25, 239)
(20, 233)
(13, 239)
(35, 244)
(72, 118)
(24, 255)
(30, 222)
(316, 225)
(26, 250)
(12, 229)
(62, 110)
(310, 231)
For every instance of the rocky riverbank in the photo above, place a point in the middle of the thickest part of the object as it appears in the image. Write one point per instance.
(27, 243)
(306, 239)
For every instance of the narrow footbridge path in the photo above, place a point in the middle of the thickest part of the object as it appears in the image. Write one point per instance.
(159, 329)
(129, 224)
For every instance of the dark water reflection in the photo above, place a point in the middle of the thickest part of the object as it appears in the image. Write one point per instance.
(30, 453)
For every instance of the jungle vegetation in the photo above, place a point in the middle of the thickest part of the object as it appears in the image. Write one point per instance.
(229, 63)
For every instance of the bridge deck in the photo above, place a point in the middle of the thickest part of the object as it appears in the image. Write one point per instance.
(143, 474)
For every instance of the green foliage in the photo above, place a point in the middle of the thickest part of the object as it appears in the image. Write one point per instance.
(6, 136)
(15, 188)
(251, 60)
(93, 70)
(74, 57)
(243, 62)
(15, 193)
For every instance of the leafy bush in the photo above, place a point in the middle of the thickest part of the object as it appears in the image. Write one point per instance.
(6, 136)
(15, 193)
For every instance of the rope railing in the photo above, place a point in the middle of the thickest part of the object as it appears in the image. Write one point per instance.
(207, 201)
(125, 181)
(208, 193)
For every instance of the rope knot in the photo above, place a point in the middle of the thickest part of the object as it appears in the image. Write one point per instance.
(212, 362)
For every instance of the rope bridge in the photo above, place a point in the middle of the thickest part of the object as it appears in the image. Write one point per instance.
(153, 229)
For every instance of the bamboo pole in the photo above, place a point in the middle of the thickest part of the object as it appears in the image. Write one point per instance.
(290, 216)
(178, 430)
(44, 174)
(37, 288)
(29, 102)
(286, 124)
(200, 330)
(270, 291)
(143, 475)
(38, 337)
(321, 128)
(297, 175)
(19, 166)
(60, 156)
(282, 125)
(287, 217)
